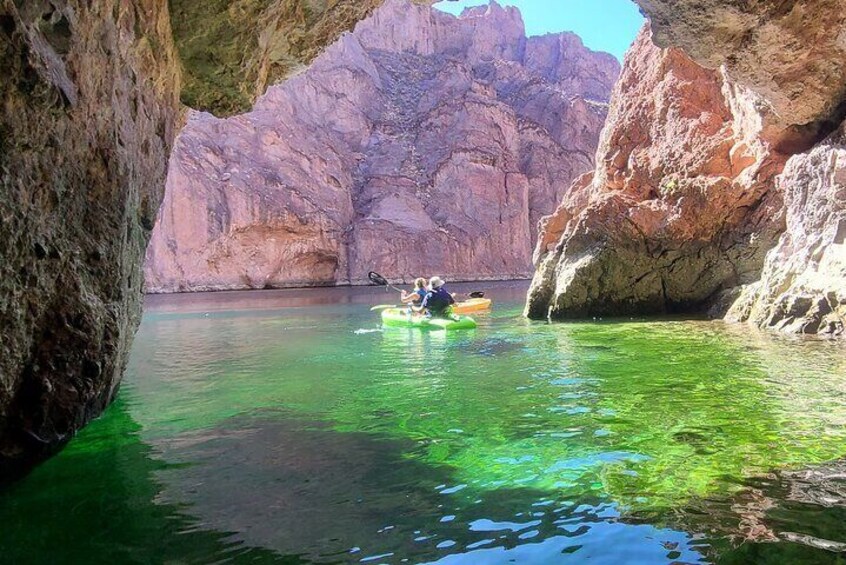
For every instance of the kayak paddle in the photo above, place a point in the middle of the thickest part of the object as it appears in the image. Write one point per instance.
(376, 278)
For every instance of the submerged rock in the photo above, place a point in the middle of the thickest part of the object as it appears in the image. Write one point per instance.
(681, 205)
(420, 143)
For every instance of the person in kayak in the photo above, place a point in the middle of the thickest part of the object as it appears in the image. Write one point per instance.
(417, 295)
(437, 301)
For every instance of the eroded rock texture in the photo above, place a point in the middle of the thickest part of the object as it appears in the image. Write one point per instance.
(420, 143)
(793, 55)
(87, 110)
(681, 206)
(232, 50)
(803, 286)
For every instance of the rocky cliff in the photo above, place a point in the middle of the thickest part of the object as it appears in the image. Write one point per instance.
(792, 55)
(681, 206)
(420, 143)
(88, 105)
(634, 237)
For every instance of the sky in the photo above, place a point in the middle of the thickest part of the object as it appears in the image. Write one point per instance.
(603, 25)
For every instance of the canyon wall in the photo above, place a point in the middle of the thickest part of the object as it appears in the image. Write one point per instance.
(420, 143)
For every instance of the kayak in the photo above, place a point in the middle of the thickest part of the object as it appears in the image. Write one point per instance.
(472, 305)
(400, 318)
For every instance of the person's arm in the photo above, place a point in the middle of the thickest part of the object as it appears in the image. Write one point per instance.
(406, 298)
(423, 304)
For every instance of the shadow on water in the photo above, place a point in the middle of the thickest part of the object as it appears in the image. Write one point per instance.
(96, 502)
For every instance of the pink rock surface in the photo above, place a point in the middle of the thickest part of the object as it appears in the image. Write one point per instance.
(420, 143)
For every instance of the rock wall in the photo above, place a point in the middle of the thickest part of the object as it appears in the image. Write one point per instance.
(419, 144)
(792, 54)
(803, 286)
(681, 207)
(232, 50)
(88, 104)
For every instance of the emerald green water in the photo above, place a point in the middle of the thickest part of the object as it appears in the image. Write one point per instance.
(286, 427)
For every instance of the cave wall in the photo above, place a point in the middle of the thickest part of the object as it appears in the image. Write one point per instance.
(89, 108)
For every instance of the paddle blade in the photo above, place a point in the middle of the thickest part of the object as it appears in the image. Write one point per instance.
(477, 294)
(376, 278)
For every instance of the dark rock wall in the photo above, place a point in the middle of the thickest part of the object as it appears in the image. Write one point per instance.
(86, 123)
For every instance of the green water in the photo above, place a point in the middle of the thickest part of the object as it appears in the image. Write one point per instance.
(286, 427)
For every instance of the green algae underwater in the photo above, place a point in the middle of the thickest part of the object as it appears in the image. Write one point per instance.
(286, 426)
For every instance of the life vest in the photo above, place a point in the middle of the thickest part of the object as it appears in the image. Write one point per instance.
(437, 301)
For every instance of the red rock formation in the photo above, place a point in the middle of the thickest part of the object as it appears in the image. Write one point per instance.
(420, 143)
(681, 205)
(793, 56)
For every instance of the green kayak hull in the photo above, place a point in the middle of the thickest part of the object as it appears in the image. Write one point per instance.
(399, 318)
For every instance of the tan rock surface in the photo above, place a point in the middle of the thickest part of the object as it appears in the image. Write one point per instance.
(792, 54)
(420, 143)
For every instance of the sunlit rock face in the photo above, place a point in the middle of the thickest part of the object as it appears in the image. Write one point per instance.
(88, 104)
(419, 144)
(803, 286)
(681, 206)
(793, 55)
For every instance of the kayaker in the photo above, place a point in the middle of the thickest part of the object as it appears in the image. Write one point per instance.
(417, 295)
(437, 301)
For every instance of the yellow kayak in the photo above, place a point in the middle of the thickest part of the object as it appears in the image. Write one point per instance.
(472, 305)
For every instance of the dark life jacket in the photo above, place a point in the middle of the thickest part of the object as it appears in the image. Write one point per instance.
(437, 301)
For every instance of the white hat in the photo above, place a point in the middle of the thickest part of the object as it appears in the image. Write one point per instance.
(436, 282)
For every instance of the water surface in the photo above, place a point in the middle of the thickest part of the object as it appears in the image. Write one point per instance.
(285, 426)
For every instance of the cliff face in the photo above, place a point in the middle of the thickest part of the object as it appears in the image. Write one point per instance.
(88, 104)
(681, 205)
(420, 143)
(792, 54)
(803, 286)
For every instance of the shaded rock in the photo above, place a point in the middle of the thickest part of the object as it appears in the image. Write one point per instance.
(420, 143)
(88, 107)
(681, 205)
(231, 50)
